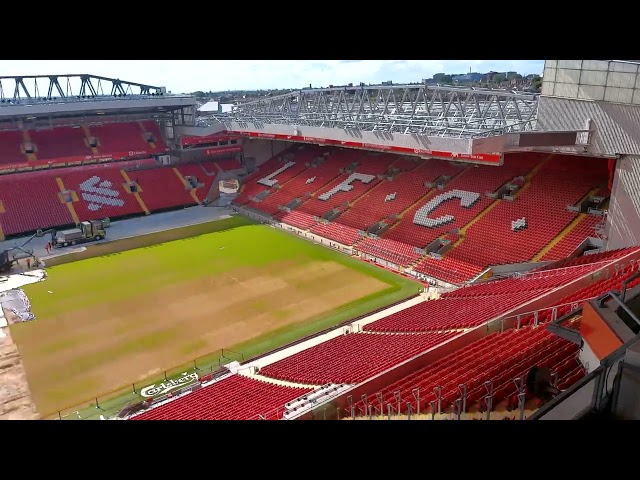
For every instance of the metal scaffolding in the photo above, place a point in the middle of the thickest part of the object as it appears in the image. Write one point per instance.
(407, 109)
(42, 88)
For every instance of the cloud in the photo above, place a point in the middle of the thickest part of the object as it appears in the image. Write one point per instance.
(185, 76)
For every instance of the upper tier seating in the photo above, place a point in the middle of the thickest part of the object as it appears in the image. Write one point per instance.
(228, 164)
(63, 142)
(153, 128)
(120, 137)
(351, 358)
(232, 398)
(60, 142)
(10, 152)
(404, 164)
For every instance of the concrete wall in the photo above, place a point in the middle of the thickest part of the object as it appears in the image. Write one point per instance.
(263, 150)
(623, 218)
(182, 130)
(516, 267)
(130, 243)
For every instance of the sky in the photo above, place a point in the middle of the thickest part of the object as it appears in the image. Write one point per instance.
(187, 76)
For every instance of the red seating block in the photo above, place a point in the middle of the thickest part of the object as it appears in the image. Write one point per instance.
(351, 358)
(30, 201)
(232, 398)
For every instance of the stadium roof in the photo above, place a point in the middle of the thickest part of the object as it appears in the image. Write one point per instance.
(77, 94)
(408, 109)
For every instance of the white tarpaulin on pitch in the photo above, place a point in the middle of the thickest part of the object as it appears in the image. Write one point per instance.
(13, 299)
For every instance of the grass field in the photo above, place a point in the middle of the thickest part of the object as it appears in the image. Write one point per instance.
(106, 322)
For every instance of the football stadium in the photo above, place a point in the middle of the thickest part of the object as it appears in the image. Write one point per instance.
(404, 252)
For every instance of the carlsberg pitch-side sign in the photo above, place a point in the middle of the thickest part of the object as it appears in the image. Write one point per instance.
(165, 387)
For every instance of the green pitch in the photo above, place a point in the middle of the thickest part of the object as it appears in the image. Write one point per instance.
(128, 317)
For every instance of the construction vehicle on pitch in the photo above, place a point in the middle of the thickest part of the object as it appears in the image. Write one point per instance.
(90, 231)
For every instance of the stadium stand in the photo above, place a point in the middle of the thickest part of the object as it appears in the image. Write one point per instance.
(157, 139)
(448, 269)
(65, 142)
(460, 204)
(232, 398)
(35, 200)
(228, 164)
(484, 215)
(390, 250)
(542, 202)
(296, 219)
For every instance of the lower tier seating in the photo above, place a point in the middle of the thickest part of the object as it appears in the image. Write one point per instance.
(389, 250)
(447, 269)
(198, 172)
(232, 398)
(101, 192)
(162, 188)
(30, 201)
(300, 220)
(339, 233)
